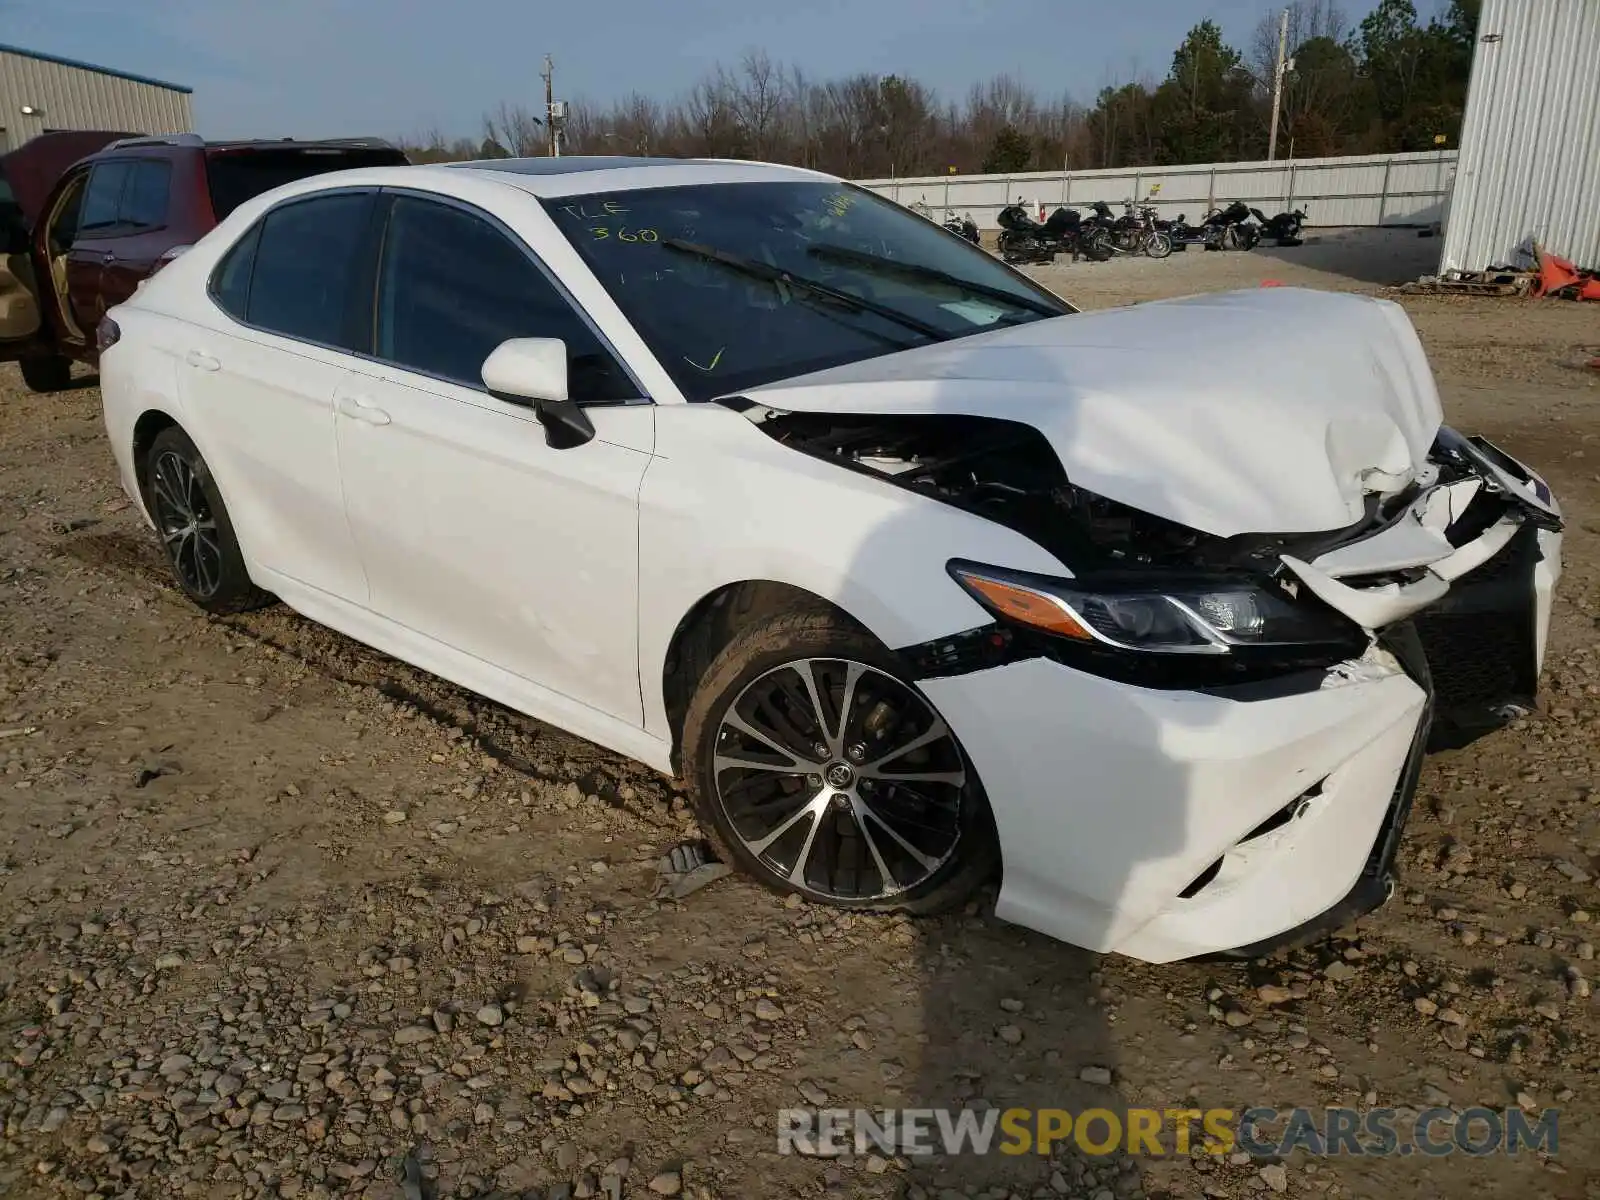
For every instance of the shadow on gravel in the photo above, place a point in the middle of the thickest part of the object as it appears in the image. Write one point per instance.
(1385, 257)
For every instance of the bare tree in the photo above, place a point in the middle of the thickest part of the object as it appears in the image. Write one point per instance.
(709, 114)
(755, 98)
(516, 128)
(1308, 19)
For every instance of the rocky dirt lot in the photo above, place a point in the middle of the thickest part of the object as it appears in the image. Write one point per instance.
(282, 917)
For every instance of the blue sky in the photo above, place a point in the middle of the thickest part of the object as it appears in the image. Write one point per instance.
(303, 68)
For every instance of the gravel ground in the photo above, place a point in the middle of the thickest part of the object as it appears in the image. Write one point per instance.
(282, 917)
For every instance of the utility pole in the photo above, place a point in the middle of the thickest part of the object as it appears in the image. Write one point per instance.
(549, 105)
(1277, 84)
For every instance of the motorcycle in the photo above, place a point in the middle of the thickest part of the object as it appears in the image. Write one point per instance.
(1024, 240)
(1132, 233)
(1231, 228)
(964, 227)
(1182, 234)
(1283, 228)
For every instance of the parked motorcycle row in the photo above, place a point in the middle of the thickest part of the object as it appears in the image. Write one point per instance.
(1138, 231)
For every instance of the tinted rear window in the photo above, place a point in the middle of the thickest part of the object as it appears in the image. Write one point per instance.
(235, 176)
(305, 259)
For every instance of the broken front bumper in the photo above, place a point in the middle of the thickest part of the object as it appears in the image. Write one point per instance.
(1171, 824)
(1168, 824)
(1475, 561)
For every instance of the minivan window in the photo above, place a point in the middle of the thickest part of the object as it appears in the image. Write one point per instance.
(144, 196)
(236, 175)
(452, 287)
(304, 265)
(103, 200)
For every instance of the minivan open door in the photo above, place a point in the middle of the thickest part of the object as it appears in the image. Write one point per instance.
(28, 179)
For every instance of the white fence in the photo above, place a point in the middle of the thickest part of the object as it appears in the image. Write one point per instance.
(1378, 189)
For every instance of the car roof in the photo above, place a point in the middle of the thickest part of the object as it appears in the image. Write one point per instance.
(575, 175)
(540, 178)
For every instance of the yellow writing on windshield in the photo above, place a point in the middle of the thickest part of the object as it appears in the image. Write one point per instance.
(622, 233)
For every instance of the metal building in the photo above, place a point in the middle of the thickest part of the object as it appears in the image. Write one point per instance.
(40, 93)
(1529, 167)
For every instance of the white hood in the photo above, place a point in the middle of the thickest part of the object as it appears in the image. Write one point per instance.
(1266, 411)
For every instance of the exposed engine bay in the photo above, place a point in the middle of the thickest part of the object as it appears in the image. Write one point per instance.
(1008, 472)
(1454, 551)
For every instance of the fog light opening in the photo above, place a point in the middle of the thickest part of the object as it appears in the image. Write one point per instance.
(1200, 881)
(1292, 811)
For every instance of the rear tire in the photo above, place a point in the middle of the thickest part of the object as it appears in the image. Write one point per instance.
(183, 499)
(817, 809)
(47, 373)
(1097, 246)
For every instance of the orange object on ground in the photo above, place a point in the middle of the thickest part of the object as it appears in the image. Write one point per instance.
(1555, 273)
(1590, 289)
(1272, 283)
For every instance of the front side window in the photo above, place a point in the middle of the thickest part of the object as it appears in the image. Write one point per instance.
(305, 265)
(736, 285)
(452, 287)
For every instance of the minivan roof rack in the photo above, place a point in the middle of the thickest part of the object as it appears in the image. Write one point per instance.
(198, 142)
(160, 139)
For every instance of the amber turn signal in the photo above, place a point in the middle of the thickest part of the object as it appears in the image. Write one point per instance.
(1026, 606)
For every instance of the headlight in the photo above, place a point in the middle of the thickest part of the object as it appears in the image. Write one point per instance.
(1202, 617)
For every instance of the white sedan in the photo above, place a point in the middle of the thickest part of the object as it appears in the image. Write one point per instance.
(917, 576)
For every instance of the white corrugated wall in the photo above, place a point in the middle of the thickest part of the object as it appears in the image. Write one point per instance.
(73, 97)
(1373, 189)
(1530, 143)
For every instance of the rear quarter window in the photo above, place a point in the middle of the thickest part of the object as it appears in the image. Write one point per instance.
(230, 284)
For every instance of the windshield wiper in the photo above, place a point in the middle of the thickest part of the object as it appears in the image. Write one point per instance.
(777, 275)
(895, 266)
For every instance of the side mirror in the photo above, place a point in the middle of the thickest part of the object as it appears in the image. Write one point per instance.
(533, 372)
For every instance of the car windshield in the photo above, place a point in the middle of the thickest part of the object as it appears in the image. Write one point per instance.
(733, 285)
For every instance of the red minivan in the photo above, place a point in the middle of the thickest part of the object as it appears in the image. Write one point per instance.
(80, 233)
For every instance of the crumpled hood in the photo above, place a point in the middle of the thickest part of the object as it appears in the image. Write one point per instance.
(1267, 411)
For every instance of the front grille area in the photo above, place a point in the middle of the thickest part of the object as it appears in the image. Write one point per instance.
(1479, 640)
(1476, 658)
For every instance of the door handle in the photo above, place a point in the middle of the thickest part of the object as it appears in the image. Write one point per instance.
(202, 360)
(362, 408)
(108, 258)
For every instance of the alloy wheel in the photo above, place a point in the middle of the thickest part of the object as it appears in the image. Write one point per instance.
(840, 779)
(188, 527)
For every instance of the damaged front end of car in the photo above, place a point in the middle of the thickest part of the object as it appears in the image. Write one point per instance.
(1461, 551)
(1284, 686)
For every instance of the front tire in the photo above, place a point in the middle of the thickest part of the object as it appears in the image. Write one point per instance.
(1159, 245)
(186, 505)
(819, 768)
(47, 373)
